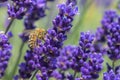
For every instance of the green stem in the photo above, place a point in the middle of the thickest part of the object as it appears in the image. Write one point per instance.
(9, 25)
(33, 75)
(18, 60)
(74, 75)
(113, 64)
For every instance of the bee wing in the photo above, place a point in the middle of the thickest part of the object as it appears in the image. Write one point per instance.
(27, 32)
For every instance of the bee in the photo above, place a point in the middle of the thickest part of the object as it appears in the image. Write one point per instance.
(34, 35)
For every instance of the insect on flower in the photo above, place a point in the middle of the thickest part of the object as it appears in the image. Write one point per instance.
(37, 34)
(34, 36)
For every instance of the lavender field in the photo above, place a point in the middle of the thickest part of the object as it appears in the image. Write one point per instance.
(59, 39)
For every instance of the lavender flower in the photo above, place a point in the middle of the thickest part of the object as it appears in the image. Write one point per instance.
(113, 41)
(67, 58)
(32, 10)
(36, 10)
(5, 53)
(20, 8)
(56, 75)
(91, 65)
(17, 10)
(48, 58)
(85, 47)
(85, 42)
(108, 18)
(109, 32)
(111, 76)
(90, 70)
(82, 59)
(108, 35)
(47, 52)
(26, 69)
(33, 62)
(38, 77)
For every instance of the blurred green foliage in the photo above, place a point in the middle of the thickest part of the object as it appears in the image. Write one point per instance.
(90, 20)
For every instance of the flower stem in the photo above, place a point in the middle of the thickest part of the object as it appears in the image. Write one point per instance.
(33, 75)
(74, 75)
(113, 65)
(9, 25)
(18, 59)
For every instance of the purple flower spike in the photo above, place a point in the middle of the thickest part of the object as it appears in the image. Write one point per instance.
(109, 33)
(90, 60)
(67, 60)
(5, 53)
(111, 76)
(44, 56)
(34, 10)
(90, 70)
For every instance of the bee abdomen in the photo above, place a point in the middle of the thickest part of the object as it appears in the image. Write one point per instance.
(36, 35)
